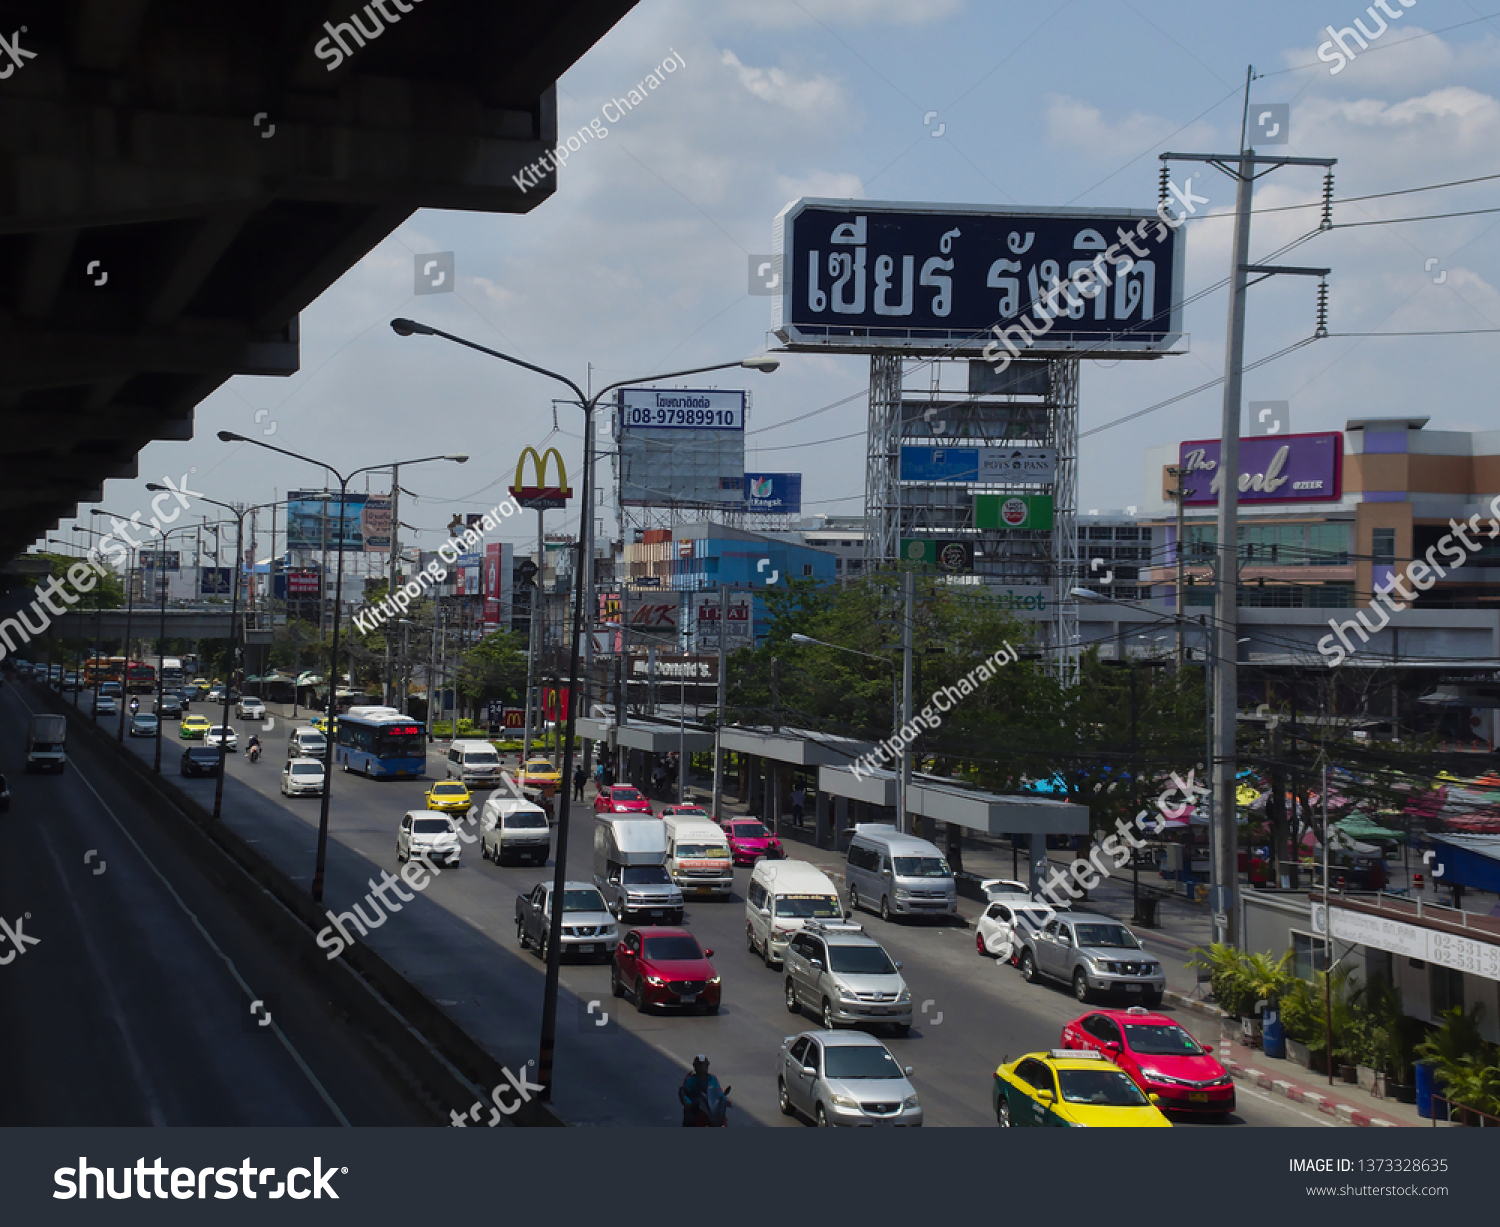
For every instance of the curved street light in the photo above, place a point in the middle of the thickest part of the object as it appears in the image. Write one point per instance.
(229, 436)
(582, 578)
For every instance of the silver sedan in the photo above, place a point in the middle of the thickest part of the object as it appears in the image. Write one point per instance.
(844, 1078)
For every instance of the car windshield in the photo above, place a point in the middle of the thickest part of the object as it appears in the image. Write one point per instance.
(1109, 1088)
(644, 875)
(145, 720)
(480, 758)
(625, 794)
(219, 730)
(1161, 1039)
(449, 790)
(860, 960)
(700, 850)
(538, 765)
(859, 1061)
(922, 867)
(1105, 935)
(432, 826)
(306, 768)
(673, 949)
(749, 830)
(582, 901)
(313, 743)
(525, 820)
(809, 907)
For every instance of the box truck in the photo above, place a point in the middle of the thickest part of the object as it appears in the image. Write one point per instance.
(630, 869)
(46, 743)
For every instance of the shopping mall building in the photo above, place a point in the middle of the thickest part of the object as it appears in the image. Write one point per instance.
(1326, 520)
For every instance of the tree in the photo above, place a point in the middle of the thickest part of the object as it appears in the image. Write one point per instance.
(494, 668)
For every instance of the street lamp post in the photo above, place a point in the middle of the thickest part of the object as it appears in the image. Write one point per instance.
(228, 436)
(581, 577)
(234, 636)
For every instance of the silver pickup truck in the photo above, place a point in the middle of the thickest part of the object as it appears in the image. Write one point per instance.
(588, 929)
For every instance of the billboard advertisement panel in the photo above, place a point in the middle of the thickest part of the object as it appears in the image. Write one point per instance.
(306, 511)
(982, 465)
(1273, 469)
(682, 447)
(774, 493)
(655, 610)
(158, 560)
(950, 557)
(1029, 511)
(215, 581)
(865, 276)
(302, 583)
(740, 621)
(499, 561)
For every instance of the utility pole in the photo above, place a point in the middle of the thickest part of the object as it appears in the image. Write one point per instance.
(390, 589)
(908, 617)
(532, 627)
(1240, 167)
(1179, 494)
(719, 723)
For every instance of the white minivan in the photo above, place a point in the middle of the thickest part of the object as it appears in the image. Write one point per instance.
(474, 762)
(698, 857)
(510, 828)
(783, 895)
(898, 875)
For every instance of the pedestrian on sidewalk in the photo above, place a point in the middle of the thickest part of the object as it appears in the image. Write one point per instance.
(799, 799)
(580, 777)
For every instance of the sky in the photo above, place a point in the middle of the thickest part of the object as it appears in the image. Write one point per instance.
(639, 263)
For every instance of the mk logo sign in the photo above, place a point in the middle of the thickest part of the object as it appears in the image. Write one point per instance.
(541, 496)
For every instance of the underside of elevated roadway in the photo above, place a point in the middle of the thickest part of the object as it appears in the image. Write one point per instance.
(180, 178)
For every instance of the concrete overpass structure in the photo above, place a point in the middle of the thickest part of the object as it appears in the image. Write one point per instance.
(146, 623)
(177, 181)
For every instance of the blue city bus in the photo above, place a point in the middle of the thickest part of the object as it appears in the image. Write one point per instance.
(380, 741)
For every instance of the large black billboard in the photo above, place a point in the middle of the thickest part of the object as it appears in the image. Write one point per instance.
(869, 276)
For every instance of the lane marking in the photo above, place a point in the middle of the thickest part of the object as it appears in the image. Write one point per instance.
(214, 946)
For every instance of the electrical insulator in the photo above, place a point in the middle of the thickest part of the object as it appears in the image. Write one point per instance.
(1322, 329)
(1327, 222)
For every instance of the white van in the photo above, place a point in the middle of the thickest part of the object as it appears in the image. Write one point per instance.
(515, 829)
(474, 762)
(783, 895)
(698, 856)
(898, 875)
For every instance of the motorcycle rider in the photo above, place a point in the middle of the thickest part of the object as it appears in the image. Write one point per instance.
(694, 1089)
(252, 748)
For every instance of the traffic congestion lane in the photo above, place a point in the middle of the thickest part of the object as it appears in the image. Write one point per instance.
(133, 1005)
(976, 1013)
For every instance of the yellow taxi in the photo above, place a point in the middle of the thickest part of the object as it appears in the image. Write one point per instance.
(449, 796)
(1071, 1089)
(539, 772)
(321, 724)
(193, 728)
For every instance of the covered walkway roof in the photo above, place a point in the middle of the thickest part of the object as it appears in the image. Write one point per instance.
(992, 813)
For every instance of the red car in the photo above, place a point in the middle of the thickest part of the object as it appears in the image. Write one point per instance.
(1160, 1057)
(665, 967)
(621, 799)
(749, 841)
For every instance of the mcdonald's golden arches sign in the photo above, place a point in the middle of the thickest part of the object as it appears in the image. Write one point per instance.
(541, 496)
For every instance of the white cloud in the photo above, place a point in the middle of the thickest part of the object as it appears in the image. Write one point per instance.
(782, 14)
(1077, 124)
(776, 85)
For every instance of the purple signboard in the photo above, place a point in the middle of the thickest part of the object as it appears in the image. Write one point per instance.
(1288, 469)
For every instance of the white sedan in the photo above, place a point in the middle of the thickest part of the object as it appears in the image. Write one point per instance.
(303, 777)
(218, 733)
(251, 708)
(1008, 922)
